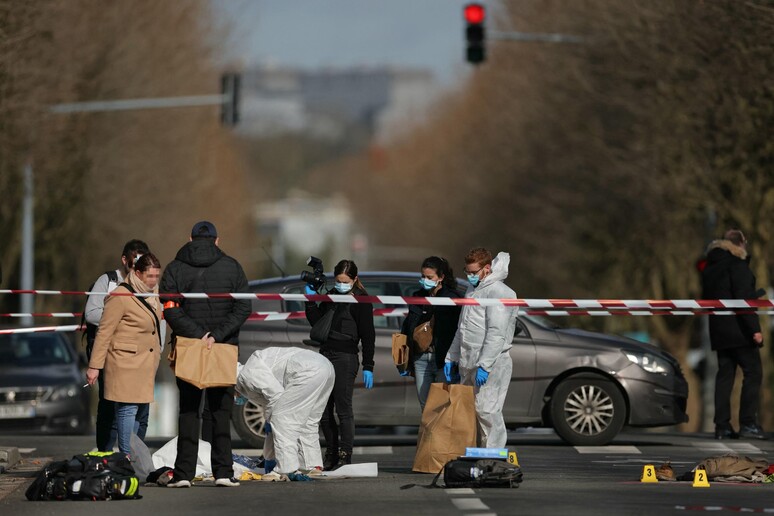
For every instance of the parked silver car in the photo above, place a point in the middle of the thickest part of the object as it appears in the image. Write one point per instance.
(585, 385)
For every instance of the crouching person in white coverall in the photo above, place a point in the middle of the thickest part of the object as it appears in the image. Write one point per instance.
(482, 343)
(294, 385)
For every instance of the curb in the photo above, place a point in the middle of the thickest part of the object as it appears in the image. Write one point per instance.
(9, 457)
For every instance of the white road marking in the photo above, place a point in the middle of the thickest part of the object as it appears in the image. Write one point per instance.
(372, 450)
(712, 446)
(460, 491)
(745, 448)
(469, 504)
(608, 449)
(27, 450)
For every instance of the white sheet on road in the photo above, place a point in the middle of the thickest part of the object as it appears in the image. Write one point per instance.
(367, 470)
(166, 455)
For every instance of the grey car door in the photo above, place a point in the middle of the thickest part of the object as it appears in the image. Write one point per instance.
(524, 356)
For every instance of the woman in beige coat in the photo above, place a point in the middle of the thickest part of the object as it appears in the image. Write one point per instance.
(128, 345)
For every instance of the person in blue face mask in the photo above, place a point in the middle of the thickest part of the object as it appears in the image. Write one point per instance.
(481, 346)
(353, 324)
(426, 361)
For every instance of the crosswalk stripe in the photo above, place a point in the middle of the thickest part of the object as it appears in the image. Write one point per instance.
(470, 504)
(612, 449)
(728, 447)
(372, 450)
(459, 491)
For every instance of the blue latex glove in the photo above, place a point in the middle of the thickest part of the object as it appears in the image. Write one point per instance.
(267, 427)
(309, 289)
(481, 376)
(447, 372)
(368, 379)
(405, 373)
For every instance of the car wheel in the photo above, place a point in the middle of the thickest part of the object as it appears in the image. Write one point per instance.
(587, 411)
(249, 421)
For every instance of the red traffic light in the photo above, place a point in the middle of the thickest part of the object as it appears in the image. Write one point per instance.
(474, 13)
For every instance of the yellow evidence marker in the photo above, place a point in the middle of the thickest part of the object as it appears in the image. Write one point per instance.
(700, 478)
(512, 459)
(648, 473)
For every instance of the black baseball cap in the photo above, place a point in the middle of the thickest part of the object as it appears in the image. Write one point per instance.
(204, 229)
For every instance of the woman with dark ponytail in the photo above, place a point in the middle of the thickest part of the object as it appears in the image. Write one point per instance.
(426, 365)
(352, 323)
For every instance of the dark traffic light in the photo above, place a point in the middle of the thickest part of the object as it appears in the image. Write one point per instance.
(475, 35)
(229, 87)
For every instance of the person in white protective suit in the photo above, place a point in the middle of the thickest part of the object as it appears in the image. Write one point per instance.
(481, 345)
(293, 384)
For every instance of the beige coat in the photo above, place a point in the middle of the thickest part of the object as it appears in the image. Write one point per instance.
(127, 348)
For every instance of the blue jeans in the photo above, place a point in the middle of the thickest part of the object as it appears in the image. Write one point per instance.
(127, 419)
(425, 373)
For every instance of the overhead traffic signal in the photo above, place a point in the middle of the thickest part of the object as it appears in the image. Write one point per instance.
(229, 88)
(475, 35)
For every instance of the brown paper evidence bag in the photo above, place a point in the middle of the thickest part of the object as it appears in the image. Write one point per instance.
(202, 367)
(448, 426)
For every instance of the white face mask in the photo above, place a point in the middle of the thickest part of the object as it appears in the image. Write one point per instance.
(343, 287)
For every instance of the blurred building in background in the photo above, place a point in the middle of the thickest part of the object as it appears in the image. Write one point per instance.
(327, 103)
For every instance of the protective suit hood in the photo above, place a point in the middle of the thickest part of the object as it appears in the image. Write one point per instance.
(499, 269)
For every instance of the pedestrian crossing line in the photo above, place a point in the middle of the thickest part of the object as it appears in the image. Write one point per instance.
(459, 491)
(470, 504)
(722, 448)
(372, 450)
(610, 450)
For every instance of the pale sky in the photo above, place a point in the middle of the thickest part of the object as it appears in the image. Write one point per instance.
(344, 33)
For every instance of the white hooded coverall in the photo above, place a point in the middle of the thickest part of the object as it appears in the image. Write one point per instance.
(294, 385)
(483, 339)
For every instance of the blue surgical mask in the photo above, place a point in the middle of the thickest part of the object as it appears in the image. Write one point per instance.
(473, 279)
(428, 284)
(343, 287)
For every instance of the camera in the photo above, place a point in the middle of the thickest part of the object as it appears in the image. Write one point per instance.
(315, 278)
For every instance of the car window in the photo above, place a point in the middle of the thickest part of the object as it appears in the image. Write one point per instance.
(27, 350)
(381, 288)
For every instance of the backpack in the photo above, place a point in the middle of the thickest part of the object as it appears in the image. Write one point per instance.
(50, 484)
(91, 476)
(475, 473)
(481, 473)
(91, 329)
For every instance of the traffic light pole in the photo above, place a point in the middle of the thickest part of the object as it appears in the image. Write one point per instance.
(146, 103)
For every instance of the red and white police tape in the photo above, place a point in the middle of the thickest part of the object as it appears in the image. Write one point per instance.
(587, 304)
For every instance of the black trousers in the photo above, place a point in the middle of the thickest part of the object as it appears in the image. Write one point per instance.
(749, 360)
(106, 413)
(220, 401)
(340, 436)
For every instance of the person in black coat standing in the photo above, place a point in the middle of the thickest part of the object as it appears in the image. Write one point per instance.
(426, 365)
(200, 266)
(352, 324)
(737, 339)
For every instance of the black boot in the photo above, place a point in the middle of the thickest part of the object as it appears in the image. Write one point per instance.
(344, 459)
(331, 459)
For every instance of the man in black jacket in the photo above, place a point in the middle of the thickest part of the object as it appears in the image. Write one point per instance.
(200, 266)
(736, 338)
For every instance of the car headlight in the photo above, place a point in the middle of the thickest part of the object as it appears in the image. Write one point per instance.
(650, 363)
(63, 392)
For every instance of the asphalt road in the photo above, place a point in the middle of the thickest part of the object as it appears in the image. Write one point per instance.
(558, 479)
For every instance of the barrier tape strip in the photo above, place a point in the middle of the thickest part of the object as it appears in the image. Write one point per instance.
(587, 304)
(401, 312)
(281, 316)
